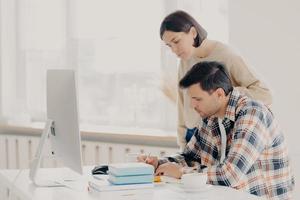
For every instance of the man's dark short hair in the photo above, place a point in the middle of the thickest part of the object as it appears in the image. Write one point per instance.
(209, 75)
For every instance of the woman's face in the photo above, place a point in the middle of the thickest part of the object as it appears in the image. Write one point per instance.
(181, 43)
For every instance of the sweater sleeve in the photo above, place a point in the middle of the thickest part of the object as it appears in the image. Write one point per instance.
(181, 127)
(247, 82)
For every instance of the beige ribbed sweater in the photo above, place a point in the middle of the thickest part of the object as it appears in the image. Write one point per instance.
(242, 78)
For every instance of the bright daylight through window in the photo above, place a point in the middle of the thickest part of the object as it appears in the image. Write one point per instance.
(114, 46)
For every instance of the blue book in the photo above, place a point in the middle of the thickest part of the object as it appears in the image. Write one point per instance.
(128, 169)
(137, 179)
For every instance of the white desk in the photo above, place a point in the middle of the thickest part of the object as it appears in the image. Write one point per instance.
(25, 190)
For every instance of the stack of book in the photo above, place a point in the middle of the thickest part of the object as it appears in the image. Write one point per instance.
(125, 176)
(130, 173)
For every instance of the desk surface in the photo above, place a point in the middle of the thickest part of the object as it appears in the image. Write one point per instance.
(78, 189)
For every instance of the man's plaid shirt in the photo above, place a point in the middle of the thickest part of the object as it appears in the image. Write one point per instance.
(256, 156)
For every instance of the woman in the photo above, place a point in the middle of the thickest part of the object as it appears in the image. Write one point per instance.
(188, 40)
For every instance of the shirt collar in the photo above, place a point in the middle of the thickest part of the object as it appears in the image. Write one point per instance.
(232, 104)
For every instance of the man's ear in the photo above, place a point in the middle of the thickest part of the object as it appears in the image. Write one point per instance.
(220, 93)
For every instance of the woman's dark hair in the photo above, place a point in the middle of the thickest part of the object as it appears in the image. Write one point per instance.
(209, 75)
(180, 21)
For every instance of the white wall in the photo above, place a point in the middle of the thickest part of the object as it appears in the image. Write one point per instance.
(267, 34)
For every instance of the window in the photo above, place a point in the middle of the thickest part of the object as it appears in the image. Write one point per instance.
(113, 45)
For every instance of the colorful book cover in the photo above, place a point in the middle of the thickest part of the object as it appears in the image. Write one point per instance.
(121, 180)
(127, 169)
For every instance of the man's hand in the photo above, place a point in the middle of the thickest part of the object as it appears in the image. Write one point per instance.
(152, 160)
(170, 169)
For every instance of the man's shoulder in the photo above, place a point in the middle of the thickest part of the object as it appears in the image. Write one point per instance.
(246, 105)
(247, 102)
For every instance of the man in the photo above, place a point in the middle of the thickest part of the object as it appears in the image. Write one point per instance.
(239, 142)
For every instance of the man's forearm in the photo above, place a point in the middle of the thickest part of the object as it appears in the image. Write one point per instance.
(182, 159)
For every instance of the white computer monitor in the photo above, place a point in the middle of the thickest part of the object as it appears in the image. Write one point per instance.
(62, 127)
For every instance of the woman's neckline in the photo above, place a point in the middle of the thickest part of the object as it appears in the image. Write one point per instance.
(214, 44)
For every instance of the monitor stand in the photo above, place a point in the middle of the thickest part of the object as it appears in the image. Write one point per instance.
(36, 162)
